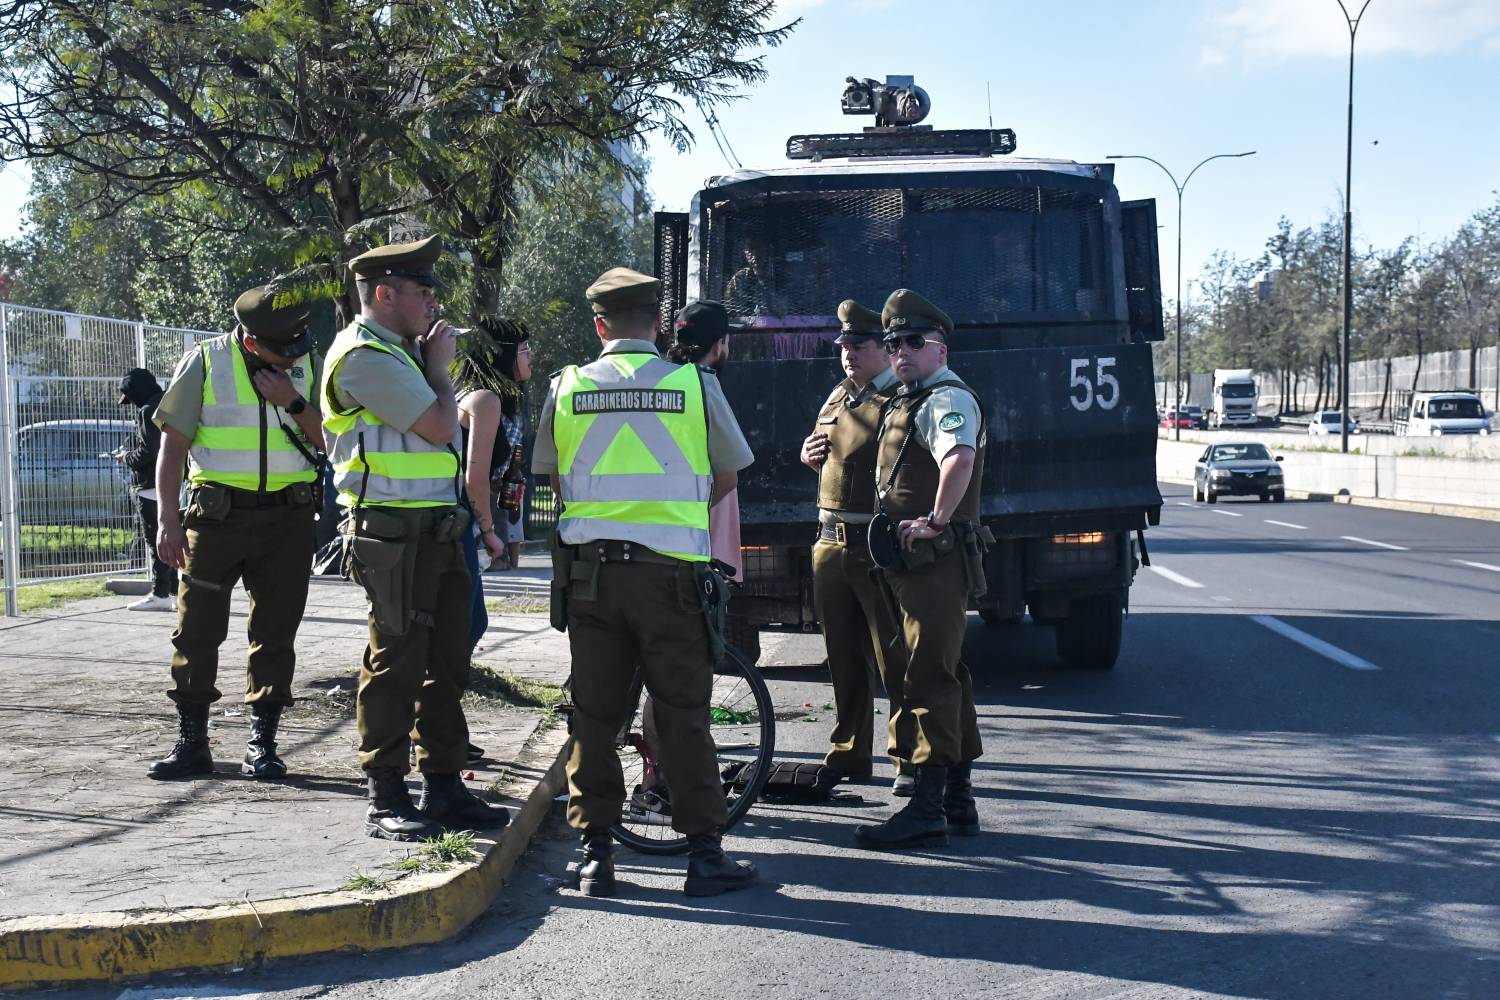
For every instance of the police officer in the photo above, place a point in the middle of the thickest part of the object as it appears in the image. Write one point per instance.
(238, 411)
(391, 422)
(928, 470)
(637, 447)
(859, 632)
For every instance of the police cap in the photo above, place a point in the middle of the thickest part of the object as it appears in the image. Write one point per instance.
(702, 323)
(623, 288)
(413, 260)
(907, 311)
(281, 327)
(857, 323)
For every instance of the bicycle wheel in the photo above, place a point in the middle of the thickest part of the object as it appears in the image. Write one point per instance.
(743, 725)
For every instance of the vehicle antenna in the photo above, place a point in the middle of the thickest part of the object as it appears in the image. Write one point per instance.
(989, 108)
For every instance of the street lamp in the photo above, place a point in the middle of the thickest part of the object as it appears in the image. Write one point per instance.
(1177, 410)
(1348, 225)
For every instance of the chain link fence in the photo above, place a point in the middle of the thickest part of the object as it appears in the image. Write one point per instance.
(65, 504)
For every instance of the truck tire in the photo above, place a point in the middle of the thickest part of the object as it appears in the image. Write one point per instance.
(1089, 638)
(742, 633)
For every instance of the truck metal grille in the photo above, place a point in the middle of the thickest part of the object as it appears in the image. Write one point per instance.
(994, 253)
(1078, 555)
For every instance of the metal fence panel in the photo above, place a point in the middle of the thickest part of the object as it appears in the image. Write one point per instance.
(68, 510)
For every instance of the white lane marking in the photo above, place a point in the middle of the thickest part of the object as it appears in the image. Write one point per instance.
(1177, 578)
(1228, 513)
(1287, 524)
(1184, 503)
(1313, 643)
(1378, 545)
(1465, 562)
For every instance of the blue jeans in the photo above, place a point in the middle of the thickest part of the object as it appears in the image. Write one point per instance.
(479, 618)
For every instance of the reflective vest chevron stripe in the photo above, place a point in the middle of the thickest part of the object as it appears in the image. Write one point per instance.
(632, 454)
(238, 442)
(373, 463)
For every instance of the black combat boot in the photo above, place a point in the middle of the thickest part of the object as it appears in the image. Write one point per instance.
(958, 802)
(261, 760)
(446, 800)
(190, 754)
(711, 871)
(905, 781)
(391, 815)
(921, 822)
(594, 873)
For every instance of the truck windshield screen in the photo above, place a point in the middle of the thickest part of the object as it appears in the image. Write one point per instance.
(786, 259)
(1454, 409)
(1237, 390)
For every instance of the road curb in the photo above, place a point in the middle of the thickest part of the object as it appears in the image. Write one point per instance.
(1411, 506)
(421, 909)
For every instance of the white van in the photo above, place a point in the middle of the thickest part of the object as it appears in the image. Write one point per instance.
(1439, 414)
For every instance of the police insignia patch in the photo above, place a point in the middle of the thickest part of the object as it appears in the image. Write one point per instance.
(295, 372)
(951, 422)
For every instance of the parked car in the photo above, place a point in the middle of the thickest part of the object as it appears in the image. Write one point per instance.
(1327, 422)
(1187, 417)
(1241, 468)
(66, 471)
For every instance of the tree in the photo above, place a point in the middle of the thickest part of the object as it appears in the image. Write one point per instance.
(337, 122)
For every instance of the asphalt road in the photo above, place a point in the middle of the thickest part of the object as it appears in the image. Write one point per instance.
(1287, 788)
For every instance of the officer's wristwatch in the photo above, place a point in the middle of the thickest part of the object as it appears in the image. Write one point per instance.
(933, 522)
(297, 406)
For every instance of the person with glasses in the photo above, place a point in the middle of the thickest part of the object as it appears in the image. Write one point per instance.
(928, 469)
(859, 632)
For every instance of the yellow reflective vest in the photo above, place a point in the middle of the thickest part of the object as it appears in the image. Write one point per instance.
(373, 463)
(632, 454)
(240, 440)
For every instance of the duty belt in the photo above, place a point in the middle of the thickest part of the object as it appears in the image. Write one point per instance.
(837, 532)
(613, 550)
(239, 498)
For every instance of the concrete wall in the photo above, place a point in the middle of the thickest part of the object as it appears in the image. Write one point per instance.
(1469, 482)
(1297, 439)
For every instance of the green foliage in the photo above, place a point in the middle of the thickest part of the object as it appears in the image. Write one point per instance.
(84, 541)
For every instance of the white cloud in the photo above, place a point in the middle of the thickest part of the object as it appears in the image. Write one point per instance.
(1260, 31)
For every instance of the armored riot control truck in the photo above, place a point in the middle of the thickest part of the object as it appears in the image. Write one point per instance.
(1053, 285)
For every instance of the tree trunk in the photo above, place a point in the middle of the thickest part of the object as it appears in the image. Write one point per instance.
(1385, 393)
(344, 189)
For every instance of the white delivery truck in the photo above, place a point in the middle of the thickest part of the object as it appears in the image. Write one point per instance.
(1433, 413)
(1235, 397)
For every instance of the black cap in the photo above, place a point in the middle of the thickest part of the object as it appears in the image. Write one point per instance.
(702, 323)
(137, 386)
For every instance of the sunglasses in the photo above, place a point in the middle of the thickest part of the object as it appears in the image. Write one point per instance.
(915, 341)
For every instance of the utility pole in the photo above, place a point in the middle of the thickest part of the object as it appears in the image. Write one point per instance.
(1348, 230)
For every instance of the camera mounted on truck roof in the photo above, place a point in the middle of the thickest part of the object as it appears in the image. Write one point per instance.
(898, 106)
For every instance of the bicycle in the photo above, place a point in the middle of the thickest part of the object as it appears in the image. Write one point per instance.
(743, 723)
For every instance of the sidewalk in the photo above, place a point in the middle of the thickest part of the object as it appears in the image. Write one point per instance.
(83, 712)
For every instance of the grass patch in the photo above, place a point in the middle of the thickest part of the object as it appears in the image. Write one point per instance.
(440, 853)
(74, 539)
(512, 690)
(517, 605)
(358, 881)
(44, 596)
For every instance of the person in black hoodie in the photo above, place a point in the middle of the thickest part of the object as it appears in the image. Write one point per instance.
(139, 386)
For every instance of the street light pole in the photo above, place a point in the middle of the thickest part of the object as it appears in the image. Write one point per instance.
(1177, 378)
(1348, 228)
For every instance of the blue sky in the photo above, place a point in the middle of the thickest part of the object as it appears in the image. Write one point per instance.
(1171, 79)
(1174, 80)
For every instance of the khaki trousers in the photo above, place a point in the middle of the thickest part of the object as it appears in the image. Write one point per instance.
(270, 548)
(410, 685)
(937, 723)
(858, 632)
(644, 615)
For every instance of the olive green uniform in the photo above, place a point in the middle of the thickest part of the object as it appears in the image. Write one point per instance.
(859, 633)
(264, 539)
(642, 611)
(936, 723)
(411, 678)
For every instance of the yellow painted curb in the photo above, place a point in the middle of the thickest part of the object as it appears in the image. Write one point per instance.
(420, 909)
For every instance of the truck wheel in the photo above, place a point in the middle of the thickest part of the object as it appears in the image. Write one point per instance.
(742, 633)
(1089, 638)
(1210, 496)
